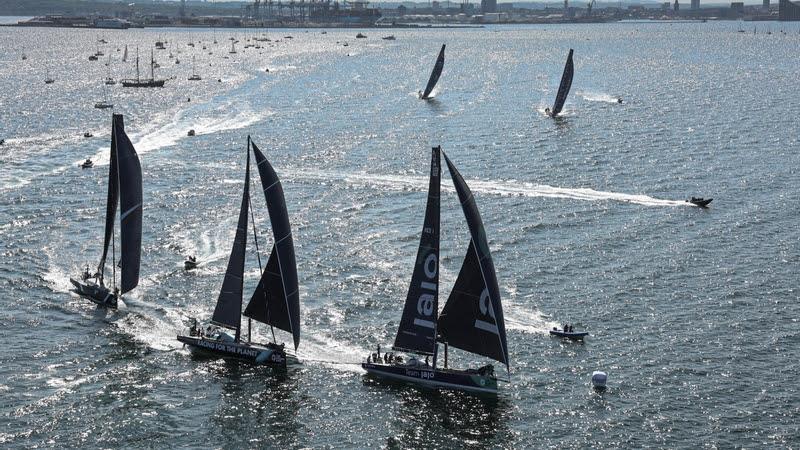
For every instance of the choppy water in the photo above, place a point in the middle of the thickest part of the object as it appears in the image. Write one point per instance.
(692, 313)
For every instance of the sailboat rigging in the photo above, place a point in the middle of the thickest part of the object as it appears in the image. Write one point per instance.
(563, 88)
(472, 318)
(275, 300)
(435, 74)
(125, 190)
(194, 76)
(144, 82)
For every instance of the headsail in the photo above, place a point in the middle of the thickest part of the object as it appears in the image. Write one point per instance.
(417, 331)
(472, 318)
(437, 72)
(228, 311)
(130, 199)
(563, 88)
(111, 200)
(276, 300)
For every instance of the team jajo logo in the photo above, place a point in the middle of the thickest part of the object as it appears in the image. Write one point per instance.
(485, 304)
(425, 304)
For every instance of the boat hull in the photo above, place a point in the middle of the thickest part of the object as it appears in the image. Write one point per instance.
(575, 336)
(270, 355)
(95, 293)
(143, 83)
(460, 380)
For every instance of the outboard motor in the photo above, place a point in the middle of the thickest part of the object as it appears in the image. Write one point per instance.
(599, 380)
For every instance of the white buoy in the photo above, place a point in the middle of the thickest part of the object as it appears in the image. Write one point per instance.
(599, 379)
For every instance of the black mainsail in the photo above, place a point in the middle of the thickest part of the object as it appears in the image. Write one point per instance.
(276, 300)
(112, 199)
(472, 318)
(130, 200)
(417, 330)
(228, 312)
(435, 74)
(563, 88)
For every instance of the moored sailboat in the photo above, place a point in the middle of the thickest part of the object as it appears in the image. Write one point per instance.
(472, 318)
(563, 87)
(125, 190)
(435, 74)
(275, 301)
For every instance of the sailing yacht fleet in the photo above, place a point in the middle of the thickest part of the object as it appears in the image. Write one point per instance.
(471, 319)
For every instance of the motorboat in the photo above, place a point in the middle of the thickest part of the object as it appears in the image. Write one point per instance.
(572, 335)
(88, 164)
(699, 201)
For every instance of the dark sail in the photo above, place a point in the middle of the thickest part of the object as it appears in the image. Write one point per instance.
(130, 200)
(276, 300)
(472, 318)
(563, 88)
(111, 200)
(417, 331)
(437, 72)
(229, 304)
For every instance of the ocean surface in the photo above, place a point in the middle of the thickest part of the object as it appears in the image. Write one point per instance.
(693, 313)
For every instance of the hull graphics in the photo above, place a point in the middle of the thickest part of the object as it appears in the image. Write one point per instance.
(466, 380)
(268, 355)
(95, 293)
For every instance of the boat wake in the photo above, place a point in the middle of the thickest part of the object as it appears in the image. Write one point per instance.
(597, 97)
(317, 348)
(505, 188)
(204, 120)
(519, 318)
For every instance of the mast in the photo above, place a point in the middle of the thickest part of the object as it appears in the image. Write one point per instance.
(137, 64)
(152, 65)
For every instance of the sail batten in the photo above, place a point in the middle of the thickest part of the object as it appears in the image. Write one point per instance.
(130, 200)
(564, 86)
(276, 299)
(417, 330)
(435, 74)
(472, 318)
(228, 311)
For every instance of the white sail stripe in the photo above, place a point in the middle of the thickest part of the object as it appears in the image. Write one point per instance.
(277, 241)
(126, 213)
(271, 185)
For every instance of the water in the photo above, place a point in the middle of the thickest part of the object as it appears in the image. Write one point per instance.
(693, 313)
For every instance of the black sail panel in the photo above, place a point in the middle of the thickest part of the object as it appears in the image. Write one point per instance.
(262, 306)
(228, 311)
(417, 331)
(472, 319)
(435, 74)
(281, 286)
(112, 198)
(563, 88)
(130, 200)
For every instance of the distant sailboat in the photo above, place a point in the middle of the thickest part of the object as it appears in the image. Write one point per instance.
(435, 74)
(195, 76)
(48, 79)
(233, 47)
(563, 88)
(105, 103)
(275, 301)
(125, 189)
(125, 54)
(109, 79)
(147, 82)
(472, 318)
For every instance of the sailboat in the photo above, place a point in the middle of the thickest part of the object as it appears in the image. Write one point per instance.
(147, 82)
(105, 103)
(435, 74)
(472, 318)
(109, 79)
(195, 76)
(125, 54)
(125, 189)
(563, 88)
(233, 47)
(275, 301)
(49, 79)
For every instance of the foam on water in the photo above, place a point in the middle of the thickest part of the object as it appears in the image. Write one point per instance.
(597, 96)
(495, 187)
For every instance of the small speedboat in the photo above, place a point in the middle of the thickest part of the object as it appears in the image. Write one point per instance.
(93, 58)
(361, 36)
(573, 335)
(190, 263)
(699, 201)
(388, 38)
(191, 133)
(88, 164)
(87, 134)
